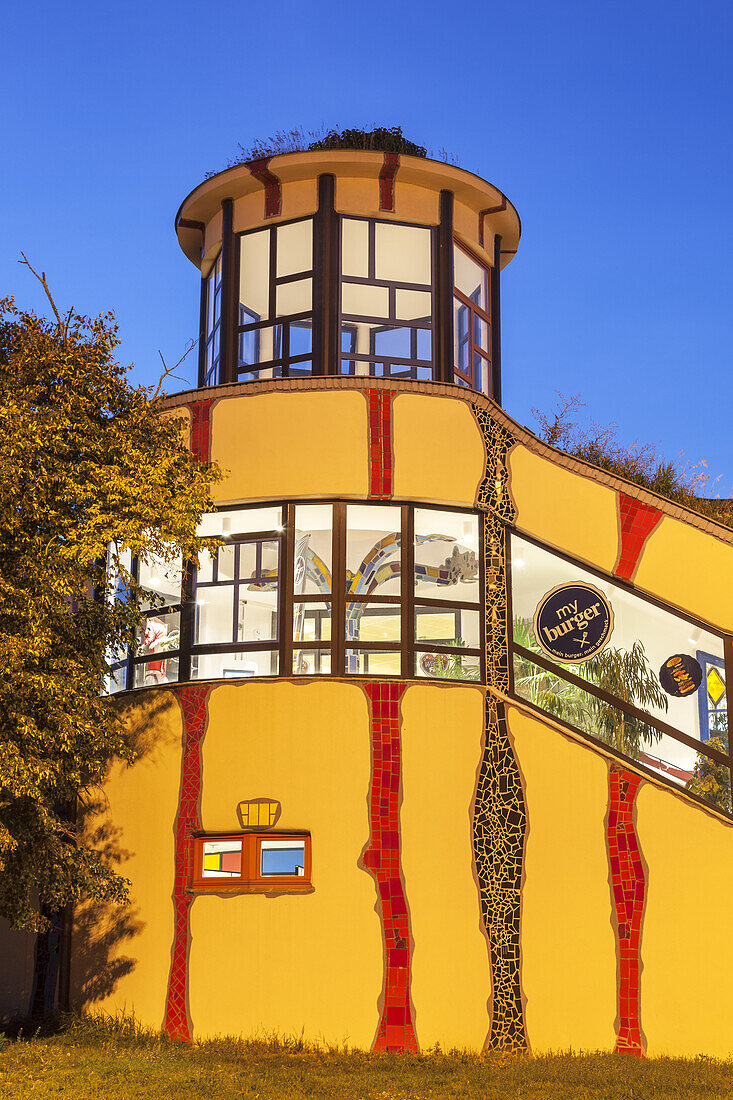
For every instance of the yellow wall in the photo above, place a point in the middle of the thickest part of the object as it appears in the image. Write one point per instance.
(121, 956)
(442, 739)
(689, 568)
(686, 946)
(310, 962)
(439, 452)
(280, 445)
(570, 512)
(568, 943)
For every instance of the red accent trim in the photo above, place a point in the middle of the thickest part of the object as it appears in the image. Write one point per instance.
(387, 174)
(638, 520)
(272, 185)
(382, 857)
(200, 425)
(380, 443)
(186, 223)
(628, 886)
(177, 1024)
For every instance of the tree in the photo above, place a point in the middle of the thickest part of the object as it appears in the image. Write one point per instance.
(87, 466)
(710, 779)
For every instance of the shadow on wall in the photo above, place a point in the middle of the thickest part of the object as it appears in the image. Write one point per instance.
(150, 718)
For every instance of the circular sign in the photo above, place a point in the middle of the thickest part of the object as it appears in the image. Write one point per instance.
(680, 675)
(573, 622)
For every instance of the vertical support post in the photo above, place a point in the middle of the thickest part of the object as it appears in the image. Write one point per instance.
(496, 322)
(187, 624)
(408, 591)
(444, 290)
(326, 279)
(202, 331)
(338, 590)
(287, 582)
(728, 670)
(227, 372)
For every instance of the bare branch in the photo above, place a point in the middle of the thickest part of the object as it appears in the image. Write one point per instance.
(61, 326)
(169, 370)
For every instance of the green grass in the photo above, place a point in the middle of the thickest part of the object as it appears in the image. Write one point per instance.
(111, 1059)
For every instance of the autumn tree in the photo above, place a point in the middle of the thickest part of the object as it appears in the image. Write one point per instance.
(89, 469)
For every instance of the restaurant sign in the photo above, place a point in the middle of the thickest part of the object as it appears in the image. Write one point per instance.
(573, 622)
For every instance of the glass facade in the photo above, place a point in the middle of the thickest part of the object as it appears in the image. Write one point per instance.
(387, 303)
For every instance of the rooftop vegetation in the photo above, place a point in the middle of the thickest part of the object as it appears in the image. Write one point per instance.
(690, 485)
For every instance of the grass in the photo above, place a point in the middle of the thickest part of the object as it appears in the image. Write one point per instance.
(112, 1059)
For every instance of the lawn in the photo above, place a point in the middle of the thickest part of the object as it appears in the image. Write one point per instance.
(115, 1060)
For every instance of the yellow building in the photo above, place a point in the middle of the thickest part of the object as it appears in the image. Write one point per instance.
(416, 744)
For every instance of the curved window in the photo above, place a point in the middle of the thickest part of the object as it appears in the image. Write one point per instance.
(212, 308)
(275, 322)
(471, 321)
(387, 301)
(317, 589)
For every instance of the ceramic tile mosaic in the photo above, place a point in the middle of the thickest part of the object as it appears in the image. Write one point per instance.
(637, 521)
(273, 187)
(382, 859)
(200, 429)
(500, 818)
(380, 443)
(192, 699)
(387, 174)
(628, 887)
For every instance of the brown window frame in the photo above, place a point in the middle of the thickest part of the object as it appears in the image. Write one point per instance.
(474, 311)
(250, 879)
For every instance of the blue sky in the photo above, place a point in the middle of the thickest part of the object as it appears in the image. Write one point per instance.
(606, 123)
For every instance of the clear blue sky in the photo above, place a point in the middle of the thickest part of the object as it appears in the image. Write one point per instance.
(607, 123)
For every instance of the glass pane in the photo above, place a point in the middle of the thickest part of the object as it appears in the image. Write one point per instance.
(282, 857)
(481, 372)
(294, 297)
(448, 626)
(446, 666)
(424, 344)
(312, 662)
(150, 673)
(301, 338)
(355, 248)
(402, 253)
(117, 678)
(363, 300)
(214, 615)
(254, 275)
(158, 634)
(222, 859)
(481, 333)
(360, 662)
(258, 561)
(413, 305)
(373, 542)
(257, 613)
(301, 369)
(240, 521)
(391, 343)
(225, 563)
(312, 622)
(471, 278)
(294, 248)
(649, 656)
(446, 555)
(313, 524)
(260, 345)
(373, 622)
(234, 666)
(205, 571)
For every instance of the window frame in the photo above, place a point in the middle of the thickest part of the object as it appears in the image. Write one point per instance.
(543, 661)
(475, 313)
(251, 881)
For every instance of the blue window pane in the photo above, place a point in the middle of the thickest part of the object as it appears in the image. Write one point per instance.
(393, 342)
(424, 344)
(282, 861)
(301, 338)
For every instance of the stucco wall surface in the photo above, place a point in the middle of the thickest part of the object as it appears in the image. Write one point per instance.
(568, 944)
(121, 956)
(439, 453)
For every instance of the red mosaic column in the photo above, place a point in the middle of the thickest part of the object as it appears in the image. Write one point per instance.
(192, 698)
(387, 175)
(637, 520)
(380, 443)
(628, 886)
(201, 429)
(382, 857)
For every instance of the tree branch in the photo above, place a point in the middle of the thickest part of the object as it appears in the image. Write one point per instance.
(61, 326)
(169, 370)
